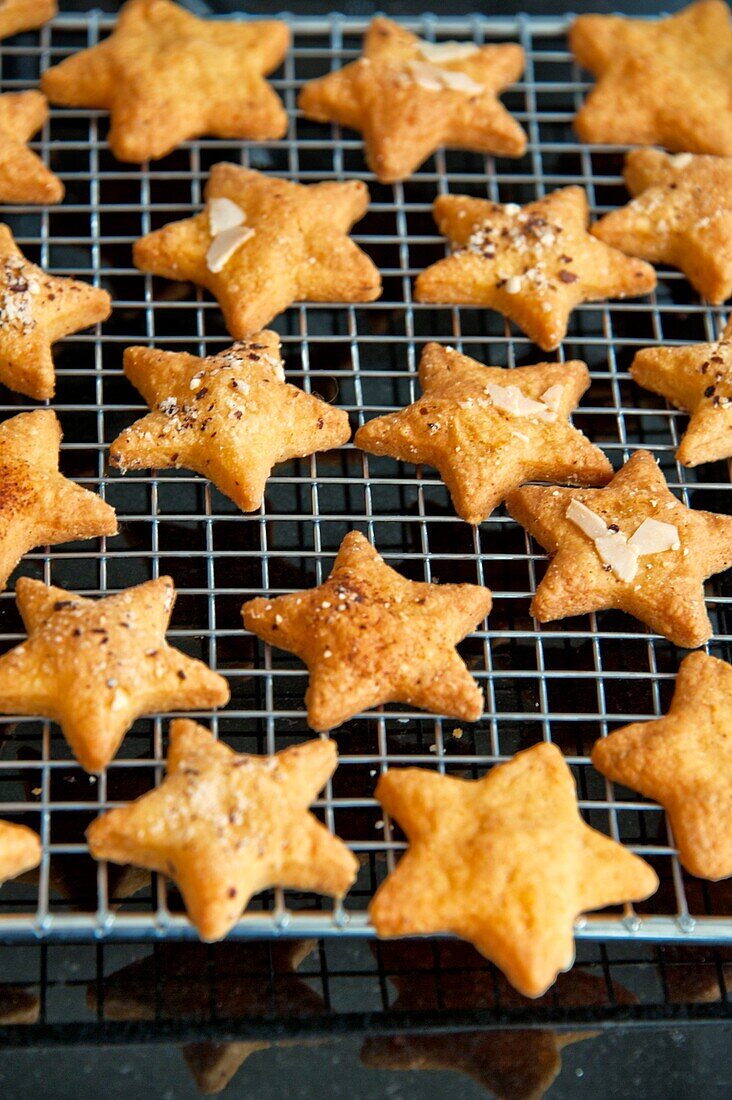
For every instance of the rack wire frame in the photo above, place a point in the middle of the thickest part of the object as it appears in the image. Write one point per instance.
(569, 682)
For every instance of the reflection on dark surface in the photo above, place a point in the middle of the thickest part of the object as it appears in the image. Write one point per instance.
(191, 981)
(510, 1064)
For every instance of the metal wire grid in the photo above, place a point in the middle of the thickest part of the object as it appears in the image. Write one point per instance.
(570, 682)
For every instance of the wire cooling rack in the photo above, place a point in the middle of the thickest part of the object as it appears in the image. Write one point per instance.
(569, 682)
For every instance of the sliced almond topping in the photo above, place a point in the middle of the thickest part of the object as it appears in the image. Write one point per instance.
(223, 246)
(589, 522)
(435, 80)
(511, 400)
(553, 396)
(653, 537)
(615, 551)
(223, 214)
(444, 52)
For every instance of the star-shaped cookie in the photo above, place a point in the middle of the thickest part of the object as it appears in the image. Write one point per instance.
(684, 761)
(666, 82)
(532, 263)
(409, 97)
(187, 981)
(657, 575)
(36, 310)
(369, 636)
(24, 178)
(682, 216)
(230, 417)
(20, 850)
(292, 246)
(224, 826)
(38, 505)
(167, 76)
(24, 15)
(698, 379)
(95, 666)
(505, 862)
(488, 429)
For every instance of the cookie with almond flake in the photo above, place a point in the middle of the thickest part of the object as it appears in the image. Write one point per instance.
(681, 215)
(632, 546)
(263, 243)
(489, 429)
(230, 417)
(20, 850)
(533, 263)
(37, 309)
(697, 379)
(24, 178)
(409, 97)
(167, 76)
(24, 15)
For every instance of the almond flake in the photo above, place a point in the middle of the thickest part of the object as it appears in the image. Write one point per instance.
(588, 521)
(553, 397)
(223, 247)
(444, 52)
(654, 537)
(511, 400)
(615, 551)
(435, 80)
(223, 214)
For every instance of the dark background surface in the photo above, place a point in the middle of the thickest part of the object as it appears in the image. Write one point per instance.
(661, 1062)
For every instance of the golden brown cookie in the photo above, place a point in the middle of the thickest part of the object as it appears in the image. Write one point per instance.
(632, 546)
(20, 850)
(666, 82)
(409, 97)
(290, 244)
(224, 826)
(488, 430)
(532, 263)
(684, 762)
(682, 216)
(36, 310)
(369, 636)
(24, 15)
(230, 417)
(698, 379)
(95, 666)
(185, 981)
(18, 1006)
(38, 505)
(167, 76)
(24, 178)
(505, 862)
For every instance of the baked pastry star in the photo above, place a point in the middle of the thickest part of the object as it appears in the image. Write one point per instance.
(224, 826)
(488, 429)
(505, 862)
(38, 505)
(639, 550)
(682, 215)
(532, 263)
(95, 666)
(24, 15)
(36, 310)
(167, 76)
(230, 417)
(699, 379)
(24, 178)
(661, 82)
(409, 97)
(289, 244)
(683, 760)
(20, 850)
(370, 636)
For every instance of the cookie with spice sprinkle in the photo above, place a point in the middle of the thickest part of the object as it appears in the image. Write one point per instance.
(681, 215)
(533, 263)
(95, 666)
(36, 310)
(370, 636)
(225, 825)
(230, 417)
